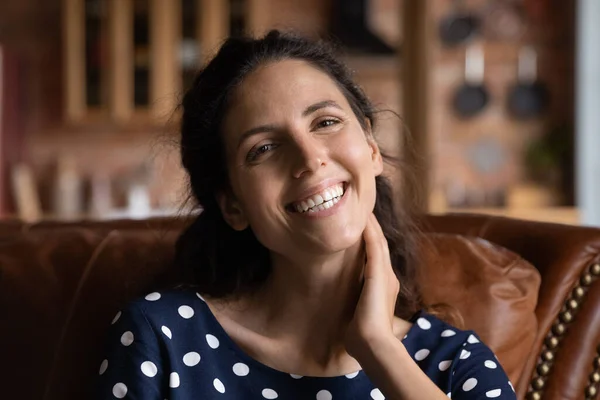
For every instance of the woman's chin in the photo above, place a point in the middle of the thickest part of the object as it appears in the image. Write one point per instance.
(333, 242)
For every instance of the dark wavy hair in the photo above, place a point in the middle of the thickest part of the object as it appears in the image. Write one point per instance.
(222, 262)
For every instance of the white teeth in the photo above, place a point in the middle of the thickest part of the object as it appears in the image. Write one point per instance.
(322, 201)
(318, 199)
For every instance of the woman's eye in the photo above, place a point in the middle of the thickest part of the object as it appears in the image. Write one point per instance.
(258, 151)
(327, 123)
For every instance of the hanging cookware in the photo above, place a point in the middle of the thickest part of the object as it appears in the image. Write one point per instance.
(529, 97)
(460, 26)
(503, 20)
(472, 97)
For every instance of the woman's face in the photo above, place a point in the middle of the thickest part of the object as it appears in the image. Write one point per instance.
(302, 169)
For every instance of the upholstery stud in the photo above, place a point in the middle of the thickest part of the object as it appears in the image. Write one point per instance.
(559, 329)
(590, 392)
(578, 292)
(566, 317)
(535, 396)
(552, 342)
(543, 369)
(572, 304)
(538, 383)
(586, 279)
(548, 356)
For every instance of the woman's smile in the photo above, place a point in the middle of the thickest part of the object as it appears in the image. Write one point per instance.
(324, 203)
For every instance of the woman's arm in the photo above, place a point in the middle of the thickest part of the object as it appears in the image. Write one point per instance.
(387, 363)
(132, 366)
(371, 340)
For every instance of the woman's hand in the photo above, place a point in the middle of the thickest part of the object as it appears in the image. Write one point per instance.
(374, 314)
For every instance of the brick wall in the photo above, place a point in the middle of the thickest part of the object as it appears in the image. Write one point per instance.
(33, 27)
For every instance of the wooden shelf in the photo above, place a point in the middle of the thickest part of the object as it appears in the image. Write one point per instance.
(561, 215)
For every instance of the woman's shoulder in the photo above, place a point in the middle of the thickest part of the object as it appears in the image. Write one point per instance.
(434, 334)
(162, 309)
(456, 359)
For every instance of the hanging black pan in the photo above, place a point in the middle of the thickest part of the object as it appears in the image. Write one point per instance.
(529, 97)
(472, 97)
(459, 26)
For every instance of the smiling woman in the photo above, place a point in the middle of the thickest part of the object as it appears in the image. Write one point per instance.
(303, 271)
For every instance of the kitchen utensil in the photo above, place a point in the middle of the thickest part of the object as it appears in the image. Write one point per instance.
(529, 97)
(503, 20)
(472, 97)
(460, 26)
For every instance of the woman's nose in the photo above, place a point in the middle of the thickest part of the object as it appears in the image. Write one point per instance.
(310, 155)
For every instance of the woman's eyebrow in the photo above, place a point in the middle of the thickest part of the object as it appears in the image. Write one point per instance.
(255, 131)
(321, 104)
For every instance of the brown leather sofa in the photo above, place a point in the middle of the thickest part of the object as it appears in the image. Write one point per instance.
(530, 290)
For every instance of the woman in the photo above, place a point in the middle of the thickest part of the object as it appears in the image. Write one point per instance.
(304, 287)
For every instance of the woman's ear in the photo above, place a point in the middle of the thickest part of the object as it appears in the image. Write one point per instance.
(376, 156)
(231, 210)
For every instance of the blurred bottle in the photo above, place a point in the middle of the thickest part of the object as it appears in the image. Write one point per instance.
(67, 198)
(101, 195)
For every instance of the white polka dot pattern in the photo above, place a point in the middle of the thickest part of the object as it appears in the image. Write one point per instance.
(116, 318)
(119, 390)
(377, 395)
(212, 341)
(186, 312)
(149, 369)
(219, 386)
(492, 394)
(152, 296)
(191, 359)
(472, 339)
(444, 365)
(469, 384)
(457, 360)
(103, 367)
(241, 369)
(448, 333)
(127, 338)
(421, 354)
(174, 380)
(324, 395)
(423, 324)
(269, 394)
(167, 332)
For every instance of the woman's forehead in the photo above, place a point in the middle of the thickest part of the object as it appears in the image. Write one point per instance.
(284, 83)
(278, 91)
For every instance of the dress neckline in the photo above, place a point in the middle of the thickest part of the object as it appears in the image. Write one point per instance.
(224, 337)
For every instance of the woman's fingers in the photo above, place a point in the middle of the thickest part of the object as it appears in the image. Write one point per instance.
(376, 247)
(372, 247)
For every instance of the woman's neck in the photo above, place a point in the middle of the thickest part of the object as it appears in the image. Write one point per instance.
(309, 303)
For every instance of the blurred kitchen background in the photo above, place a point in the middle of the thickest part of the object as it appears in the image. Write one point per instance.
(499, 98)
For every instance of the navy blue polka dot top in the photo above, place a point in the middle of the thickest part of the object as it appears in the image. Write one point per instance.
(170, 346)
